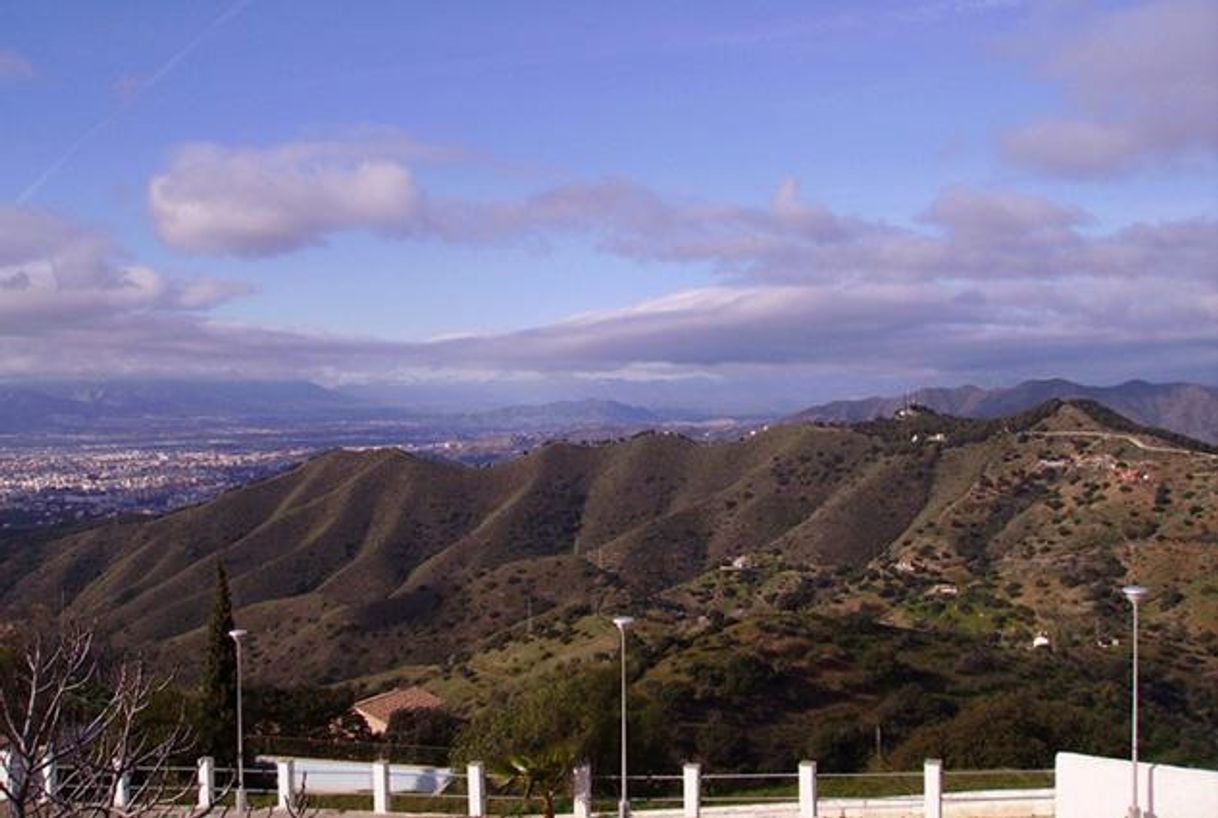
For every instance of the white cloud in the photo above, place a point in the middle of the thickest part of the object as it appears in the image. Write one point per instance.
(973, 234)
(53, 272)
(992, 282)
(262, 201)
(940, 329)
(1142, 82)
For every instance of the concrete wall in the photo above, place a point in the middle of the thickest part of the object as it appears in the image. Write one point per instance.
(323, 776)
(1089, 786)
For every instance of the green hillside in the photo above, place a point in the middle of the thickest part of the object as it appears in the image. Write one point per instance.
(920, 553)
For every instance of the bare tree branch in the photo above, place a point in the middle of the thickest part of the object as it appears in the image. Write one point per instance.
(69, 754)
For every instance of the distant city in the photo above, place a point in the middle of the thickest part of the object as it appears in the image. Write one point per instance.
(56, 479)
(77, 480)
(49, 485)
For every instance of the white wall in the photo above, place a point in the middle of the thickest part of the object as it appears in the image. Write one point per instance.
(320, 775)
(1090, 786)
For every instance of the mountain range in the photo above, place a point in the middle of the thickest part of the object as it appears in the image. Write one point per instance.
(925, 536)
(1188, 408)
(360, 560)
(73, 405)
(31, 406)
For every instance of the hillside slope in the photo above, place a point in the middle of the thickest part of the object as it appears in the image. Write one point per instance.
(361, 562)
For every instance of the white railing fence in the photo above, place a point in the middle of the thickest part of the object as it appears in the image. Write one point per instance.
(802, 793)
(809, 793)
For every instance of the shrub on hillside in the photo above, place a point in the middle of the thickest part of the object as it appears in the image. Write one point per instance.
(423, 728)
(841, 744)
(1014, 730)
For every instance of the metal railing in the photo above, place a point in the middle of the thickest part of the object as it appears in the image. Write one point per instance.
(891, 786)
(654, 791)
(749, 788)
(998, 786)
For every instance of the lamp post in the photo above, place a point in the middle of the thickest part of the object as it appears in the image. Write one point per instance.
(622, 623)
(1135, 594)
(237, 636)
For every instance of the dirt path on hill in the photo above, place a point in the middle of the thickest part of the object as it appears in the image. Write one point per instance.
(1128, 438)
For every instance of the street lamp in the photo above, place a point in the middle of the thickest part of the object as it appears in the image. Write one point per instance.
(622, 623)
(1135, 594)
(237, 636)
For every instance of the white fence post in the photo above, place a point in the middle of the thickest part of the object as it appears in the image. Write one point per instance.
(380, 787)
(807, 789)
(932, 788)
(122, 790)
(285, 771)
(582, 783)
(207, 782)
(475, 782)
(691, 778)
(49, 776)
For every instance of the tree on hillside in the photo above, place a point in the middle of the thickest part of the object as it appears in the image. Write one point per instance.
(577, 711)
(545, 729)
(217, 723)
(425, 730)
(299, 712)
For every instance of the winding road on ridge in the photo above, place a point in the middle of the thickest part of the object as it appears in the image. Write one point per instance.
(1128, 438)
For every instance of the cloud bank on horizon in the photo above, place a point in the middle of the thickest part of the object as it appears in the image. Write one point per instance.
(1000, 274)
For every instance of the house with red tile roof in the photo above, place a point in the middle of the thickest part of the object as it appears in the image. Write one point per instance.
(377, 710)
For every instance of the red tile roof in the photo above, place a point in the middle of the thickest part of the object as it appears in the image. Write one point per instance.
(384, 705)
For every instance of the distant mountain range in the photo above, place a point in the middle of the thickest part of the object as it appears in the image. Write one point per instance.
(47, 406)
(1187, 408)
(40, 406)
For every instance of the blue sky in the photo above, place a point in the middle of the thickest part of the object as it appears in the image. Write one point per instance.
(739, 205)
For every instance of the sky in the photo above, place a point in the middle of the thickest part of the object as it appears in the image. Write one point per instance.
(722, 205)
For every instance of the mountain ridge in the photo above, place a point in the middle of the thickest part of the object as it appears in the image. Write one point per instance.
(1187, 408)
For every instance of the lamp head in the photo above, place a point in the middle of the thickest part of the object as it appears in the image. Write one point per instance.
(1135, 593)
(623, 622)
(238, 634)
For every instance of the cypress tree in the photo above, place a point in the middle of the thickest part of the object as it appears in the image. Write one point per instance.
(218, 697)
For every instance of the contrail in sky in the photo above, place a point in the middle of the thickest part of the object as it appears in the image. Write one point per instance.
(166, 68)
